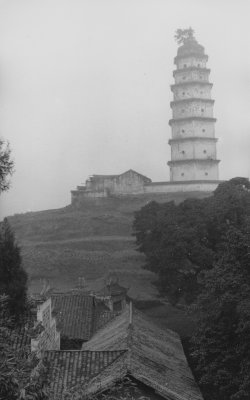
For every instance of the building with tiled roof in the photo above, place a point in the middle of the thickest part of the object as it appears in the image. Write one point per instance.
(79, 314)
(129, 345)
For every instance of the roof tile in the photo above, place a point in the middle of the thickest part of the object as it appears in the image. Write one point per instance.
(70, 368)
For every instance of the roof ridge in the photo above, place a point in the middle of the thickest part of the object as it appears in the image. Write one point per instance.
(85, 351)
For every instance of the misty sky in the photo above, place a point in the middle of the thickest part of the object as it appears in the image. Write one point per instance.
(85, 88)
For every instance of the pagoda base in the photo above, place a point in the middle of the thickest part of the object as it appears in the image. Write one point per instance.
(182, 186)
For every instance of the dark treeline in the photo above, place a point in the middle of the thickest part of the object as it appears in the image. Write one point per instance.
(200, 251)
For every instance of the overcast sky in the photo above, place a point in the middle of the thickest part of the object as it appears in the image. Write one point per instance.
(85, 88)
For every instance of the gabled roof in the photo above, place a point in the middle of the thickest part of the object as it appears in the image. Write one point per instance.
(155, 356)
(101, 177)
(71, 369)
(136, 173)
(74, 313)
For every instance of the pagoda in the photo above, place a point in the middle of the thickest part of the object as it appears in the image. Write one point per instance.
(193, 142)
(194, 163)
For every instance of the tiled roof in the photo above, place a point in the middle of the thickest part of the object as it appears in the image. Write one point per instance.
(74, 313)
(75, 368)
(79, 314)
(101, 177)
(155, 356)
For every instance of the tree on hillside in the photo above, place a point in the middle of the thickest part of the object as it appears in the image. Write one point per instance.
(229, 206)
(13, 278)
(174, 240)
(6, 165)
(221, 345)
(181, 241)
(203, 246)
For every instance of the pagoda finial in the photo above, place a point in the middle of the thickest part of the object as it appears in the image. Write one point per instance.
(184, 35)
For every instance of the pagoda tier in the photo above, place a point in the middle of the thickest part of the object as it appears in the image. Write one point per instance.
(193, 142)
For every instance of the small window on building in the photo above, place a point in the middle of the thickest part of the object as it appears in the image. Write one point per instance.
(199, 65)
(206, 173)
(202, 110)
(204, 151)
(185, 65)
(184, 78)
(201, 77)
(183, 110)
(183, 130)
(183, 93)
(201, 92)
(182, 174)
(183, 152)
(203, 130)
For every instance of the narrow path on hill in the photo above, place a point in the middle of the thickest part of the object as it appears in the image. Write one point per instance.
(82, 239)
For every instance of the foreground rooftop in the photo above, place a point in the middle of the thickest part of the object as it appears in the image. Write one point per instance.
(129, 345)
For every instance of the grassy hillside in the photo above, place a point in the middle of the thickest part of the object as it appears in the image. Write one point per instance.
(63, 244)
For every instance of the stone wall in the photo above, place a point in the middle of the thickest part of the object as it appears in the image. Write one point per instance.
(129, 182)
(165, 187)
(175, 187)
(49, 338)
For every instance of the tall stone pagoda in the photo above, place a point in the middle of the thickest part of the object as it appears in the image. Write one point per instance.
(194, 164)
(193, 142)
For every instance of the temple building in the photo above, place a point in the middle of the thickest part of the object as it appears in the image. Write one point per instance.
(194, 163)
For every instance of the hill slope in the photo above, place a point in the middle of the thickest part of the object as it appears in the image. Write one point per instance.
(66, 243)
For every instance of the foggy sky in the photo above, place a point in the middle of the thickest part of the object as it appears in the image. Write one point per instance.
(85, 88)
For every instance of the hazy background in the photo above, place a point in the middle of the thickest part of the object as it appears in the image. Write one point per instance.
(84, 88)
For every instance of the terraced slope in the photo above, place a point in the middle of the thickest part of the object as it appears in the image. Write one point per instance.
(64, 244)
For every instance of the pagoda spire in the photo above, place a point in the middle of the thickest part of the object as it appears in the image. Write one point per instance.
(193, 142)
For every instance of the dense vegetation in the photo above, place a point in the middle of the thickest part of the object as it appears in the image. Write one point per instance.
(20, 371)
(6, 165)
(200, 250)
(13, 278)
